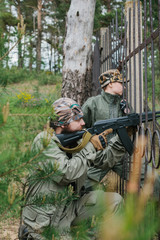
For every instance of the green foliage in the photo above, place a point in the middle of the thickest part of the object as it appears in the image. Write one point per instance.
(49, 78)
(86, 230)
(6, 18)
(51, 233)
(142, 224)
(150, 81)
(154, 14)
(61, 8)
(105, 12)
(3, 39)
(15, 75)
(25, 120)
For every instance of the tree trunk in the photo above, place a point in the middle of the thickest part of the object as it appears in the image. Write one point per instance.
(78, 50)
(20, 58)
(39, 23)
(30, 54)
(50, 60)
(108, 3)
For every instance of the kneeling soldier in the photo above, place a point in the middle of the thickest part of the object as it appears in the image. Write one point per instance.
(59, 173)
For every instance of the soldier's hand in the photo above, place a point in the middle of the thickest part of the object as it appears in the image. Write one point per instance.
(99, 141)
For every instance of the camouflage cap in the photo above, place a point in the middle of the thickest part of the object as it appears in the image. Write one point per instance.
(112, 75)
(67, 110)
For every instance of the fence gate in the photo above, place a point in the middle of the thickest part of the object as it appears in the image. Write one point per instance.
(132, 42)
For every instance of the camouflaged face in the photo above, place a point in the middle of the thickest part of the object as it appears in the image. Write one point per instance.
(112, 75)
(67, 110)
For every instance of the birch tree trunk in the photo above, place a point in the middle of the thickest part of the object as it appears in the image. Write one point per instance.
(77, 50)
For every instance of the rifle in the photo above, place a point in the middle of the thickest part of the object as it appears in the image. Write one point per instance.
(117, 124)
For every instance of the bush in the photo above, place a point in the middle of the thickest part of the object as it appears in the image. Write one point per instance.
(49, 78)
(15, 75)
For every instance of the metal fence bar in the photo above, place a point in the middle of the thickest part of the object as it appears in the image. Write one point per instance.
(134, 55)
(103, 53)
(124, 71)
(152, 64)
(107, 43)
(110, 49)
(140, 67)
(159, 24)
(145, 61)
(121, 49)
(96, 88)
(113, 43)
(106, 67)
(155, 34)
(130, 76)
(125, 96)
(116, 39)
(145, 72)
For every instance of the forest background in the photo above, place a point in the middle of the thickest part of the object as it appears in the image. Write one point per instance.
(31, 59)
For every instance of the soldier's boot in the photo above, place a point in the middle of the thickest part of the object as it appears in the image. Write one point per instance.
(23, 232)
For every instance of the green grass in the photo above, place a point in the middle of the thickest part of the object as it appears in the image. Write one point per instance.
(27, 117)
(15, 75)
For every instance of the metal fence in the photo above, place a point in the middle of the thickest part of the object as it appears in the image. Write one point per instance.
(132, 42)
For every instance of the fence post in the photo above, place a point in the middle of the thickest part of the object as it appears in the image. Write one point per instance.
(96, 87)
(104, 48)
(133, 12)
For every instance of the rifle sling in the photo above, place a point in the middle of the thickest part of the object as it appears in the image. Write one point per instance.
(85, 139)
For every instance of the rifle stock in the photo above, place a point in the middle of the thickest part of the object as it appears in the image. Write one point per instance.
(117, 124)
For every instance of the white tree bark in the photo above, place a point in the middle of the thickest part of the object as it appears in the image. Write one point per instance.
(78, 50)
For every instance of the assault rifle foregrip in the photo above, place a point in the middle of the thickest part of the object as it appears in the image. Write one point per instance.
(117, 124)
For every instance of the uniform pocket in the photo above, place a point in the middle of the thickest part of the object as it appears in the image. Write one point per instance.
(35, 219)
(29, 213)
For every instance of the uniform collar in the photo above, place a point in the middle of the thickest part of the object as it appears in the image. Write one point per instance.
(110, 98)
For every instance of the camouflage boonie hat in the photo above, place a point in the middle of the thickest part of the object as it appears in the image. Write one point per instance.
(112, 75)
(67, 110)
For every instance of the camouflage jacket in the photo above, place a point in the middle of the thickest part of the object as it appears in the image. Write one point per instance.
(100, 107)
(72, 170)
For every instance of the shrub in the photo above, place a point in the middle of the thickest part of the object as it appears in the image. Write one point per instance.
(15, 75)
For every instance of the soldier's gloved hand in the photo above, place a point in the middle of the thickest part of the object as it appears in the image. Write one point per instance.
(99, 141)
(123, 106)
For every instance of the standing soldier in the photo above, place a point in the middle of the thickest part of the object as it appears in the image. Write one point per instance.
(108, 105)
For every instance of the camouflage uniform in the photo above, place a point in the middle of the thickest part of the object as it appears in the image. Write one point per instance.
(104, 106)
(100, 107)
(73, 170)
(107, 106)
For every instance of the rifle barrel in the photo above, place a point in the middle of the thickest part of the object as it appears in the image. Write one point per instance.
(150, 116)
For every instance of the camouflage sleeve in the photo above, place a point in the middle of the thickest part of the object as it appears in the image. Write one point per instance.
(87, 110)
(111, 155)
(70, 168)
